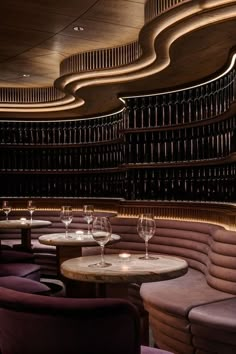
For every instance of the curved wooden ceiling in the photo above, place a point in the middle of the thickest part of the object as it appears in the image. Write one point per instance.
(181, 46)
(36, 35)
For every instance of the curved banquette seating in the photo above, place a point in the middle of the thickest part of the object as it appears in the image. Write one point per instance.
(40, 324)
(195, 313)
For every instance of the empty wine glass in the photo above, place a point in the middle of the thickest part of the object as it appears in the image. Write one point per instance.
(101, 232)
(31, 208)
(88, 214)
(6, 208)
(66, 217)
(146, 227)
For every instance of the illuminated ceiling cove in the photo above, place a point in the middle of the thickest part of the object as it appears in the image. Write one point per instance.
(78, 58)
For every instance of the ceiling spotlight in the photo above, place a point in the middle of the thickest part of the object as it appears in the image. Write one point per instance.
(78, 28)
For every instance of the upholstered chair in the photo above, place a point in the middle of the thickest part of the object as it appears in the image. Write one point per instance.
(50, 325)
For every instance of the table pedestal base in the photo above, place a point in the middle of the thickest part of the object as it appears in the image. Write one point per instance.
(25, 244)
(63, 253)
(74, 288)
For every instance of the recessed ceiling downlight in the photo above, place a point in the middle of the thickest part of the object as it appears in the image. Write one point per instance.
(78, 28)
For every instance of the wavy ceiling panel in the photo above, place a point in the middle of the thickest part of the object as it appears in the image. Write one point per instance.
(169, 44)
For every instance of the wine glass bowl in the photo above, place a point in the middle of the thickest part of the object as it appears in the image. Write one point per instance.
(101, 233)
(88, 211)
(31, 207)
(146, 227)
(6, 207)
(66, 216)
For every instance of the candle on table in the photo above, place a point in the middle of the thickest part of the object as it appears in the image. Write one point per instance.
(125, 256)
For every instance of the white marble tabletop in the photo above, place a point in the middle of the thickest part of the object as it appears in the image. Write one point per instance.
(78, 238)
(23, 223)
(134, 270)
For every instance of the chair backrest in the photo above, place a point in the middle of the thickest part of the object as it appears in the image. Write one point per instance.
(49, 325)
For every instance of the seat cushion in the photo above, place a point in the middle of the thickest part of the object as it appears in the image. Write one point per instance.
(25, 270)
(24, 285)
(173, 296)
(215, 321)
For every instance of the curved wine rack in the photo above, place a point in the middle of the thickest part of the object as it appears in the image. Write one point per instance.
(172, 153)
(194, 104)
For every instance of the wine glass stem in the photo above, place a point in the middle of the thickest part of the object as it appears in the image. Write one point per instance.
(7, 216)
(88, 227)
(31, 216)
(66, 230)
(146, 248)
(102, 255)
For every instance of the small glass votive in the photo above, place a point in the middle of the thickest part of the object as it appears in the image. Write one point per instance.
(124, 256)
(79, 234)
(23, 220)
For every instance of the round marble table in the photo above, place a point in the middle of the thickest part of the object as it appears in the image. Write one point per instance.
(67, 248)
(121, 272)
(25, 226)
(114, 281)
(134, 270)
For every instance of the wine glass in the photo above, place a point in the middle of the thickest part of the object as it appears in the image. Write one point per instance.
(6, 208)
(88, 214)
(66, 217)
(31, 208)
(146, 227)
(101, 232)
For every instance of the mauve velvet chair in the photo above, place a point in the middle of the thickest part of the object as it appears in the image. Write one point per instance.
(35, 324)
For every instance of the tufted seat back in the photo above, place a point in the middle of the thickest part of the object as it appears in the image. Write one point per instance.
(189, 240)
(221, 273)
(208, 248)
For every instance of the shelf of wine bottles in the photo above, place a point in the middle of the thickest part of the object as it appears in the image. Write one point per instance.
(181, 107)
(61, 159)
(62, 133)
(210, 141)
(172, 146)
(62, 185)
(216, 183)
(208, 183)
